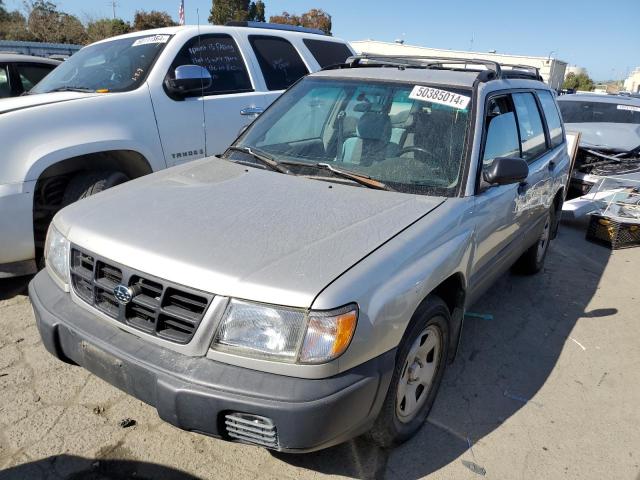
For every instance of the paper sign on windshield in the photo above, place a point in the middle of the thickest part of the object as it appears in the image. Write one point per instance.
(443, 97)
(630, 108)
(153, 39)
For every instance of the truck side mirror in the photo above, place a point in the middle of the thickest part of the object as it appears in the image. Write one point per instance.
(506, 170)
(188, 79)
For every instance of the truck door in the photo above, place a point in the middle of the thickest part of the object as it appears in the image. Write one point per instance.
(537, 193)
(498, 208)
(204, 123)
(279, 62)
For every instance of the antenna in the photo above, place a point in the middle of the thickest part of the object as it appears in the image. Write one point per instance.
(204, 115)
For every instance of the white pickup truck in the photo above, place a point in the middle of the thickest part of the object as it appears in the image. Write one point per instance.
(134, 104)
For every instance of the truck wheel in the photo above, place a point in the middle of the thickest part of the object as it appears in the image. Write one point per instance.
(86, 184)
(420, 364)
(532, 260)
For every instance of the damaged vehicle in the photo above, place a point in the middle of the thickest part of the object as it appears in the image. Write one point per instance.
(310, 284)
(610, 138)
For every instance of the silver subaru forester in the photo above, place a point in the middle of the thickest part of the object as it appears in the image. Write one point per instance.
(310, 284)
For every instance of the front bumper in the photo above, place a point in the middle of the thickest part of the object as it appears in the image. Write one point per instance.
(195, 393)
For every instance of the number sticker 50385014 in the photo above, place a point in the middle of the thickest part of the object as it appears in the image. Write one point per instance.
(443, 97)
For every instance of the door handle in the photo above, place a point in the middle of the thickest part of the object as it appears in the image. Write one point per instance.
(522, 188)
(551, 166)
(251, 111)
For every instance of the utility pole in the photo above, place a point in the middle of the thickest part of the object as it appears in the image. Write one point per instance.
(113, 4)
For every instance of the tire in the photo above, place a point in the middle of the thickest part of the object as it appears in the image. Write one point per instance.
(398, 419)
(532, 260)
(85, 184)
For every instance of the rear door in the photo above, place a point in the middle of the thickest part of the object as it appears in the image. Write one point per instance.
(537, 192)
(279, 61)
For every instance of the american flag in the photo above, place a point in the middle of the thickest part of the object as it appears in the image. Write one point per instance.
(181, 13)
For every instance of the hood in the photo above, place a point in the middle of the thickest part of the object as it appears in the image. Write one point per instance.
(238, 231)
(27, 101)
(618, 136)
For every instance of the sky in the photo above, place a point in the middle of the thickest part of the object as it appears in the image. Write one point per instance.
(605, 40)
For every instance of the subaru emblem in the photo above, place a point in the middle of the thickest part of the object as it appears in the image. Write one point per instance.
(123, 294)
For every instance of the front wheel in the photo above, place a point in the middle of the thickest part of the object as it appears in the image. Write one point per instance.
(85, 184)
(420, 364)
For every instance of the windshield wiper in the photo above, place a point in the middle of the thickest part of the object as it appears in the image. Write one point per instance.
(71, 89)
(356, 177)
(261, 157)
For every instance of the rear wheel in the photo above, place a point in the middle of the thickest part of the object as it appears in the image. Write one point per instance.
(532, 260)
(420, 364)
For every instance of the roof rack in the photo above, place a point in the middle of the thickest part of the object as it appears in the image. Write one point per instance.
(420, 61)
(275, 26)
(521, 71)
(492, 70)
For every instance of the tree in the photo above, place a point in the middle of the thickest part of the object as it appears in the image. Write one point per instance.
(580, 81)
(223, 11)
(314, 18)
(105, 28)
(256, 11)
(317, 18)
(152, 19)
(46, 24)
(3, 12)
(13, 26)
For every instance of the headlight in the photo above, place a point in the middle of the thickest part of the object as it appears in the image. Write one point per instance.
(56, 254)
(285, 334)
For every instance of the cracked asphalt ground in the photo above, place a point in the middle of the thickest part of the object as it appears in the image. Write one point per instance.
(547, 388)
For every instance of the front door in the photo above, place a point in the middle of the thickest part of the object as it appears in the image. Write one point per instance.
(498, 209)
(205, 122)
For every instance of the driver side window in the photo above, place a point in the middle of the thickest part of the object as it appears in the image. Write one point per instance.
(220, 55)
(501, 131)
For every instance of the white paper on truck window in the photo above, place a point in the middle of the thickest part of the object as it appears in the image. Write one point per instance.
(152, 39)
(443, 97)
(630, 108)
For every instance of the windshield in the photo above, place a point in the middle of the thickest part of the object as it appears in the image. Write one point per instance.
(114, 66)
(409, 137)
(591, 112)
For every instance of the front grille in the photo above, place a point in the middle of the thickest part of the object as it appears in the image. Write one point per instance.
(157, 307)
(251, 429)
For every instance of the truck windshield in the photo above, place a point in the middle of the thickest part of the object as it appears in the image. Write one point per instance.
(113, 66)
(411, 138)
(600, 112)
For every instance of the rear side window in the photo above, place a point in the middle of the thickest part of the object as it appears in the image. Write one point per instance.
(532, 139)
(5, 87)
(327, 53)
(553, 118)
(279, 61)
(220, 55)
(31, 74)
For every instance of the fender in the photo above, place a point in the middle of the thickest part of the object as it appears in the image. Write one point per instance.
(409, 269)
(36, 138)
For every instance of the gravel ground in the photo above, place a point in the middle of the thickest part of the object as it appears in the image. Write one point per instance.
(548, 388)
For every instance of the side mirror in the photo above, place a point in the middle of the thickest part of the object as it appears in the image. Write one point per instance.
(506, 170)
(188, 79)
